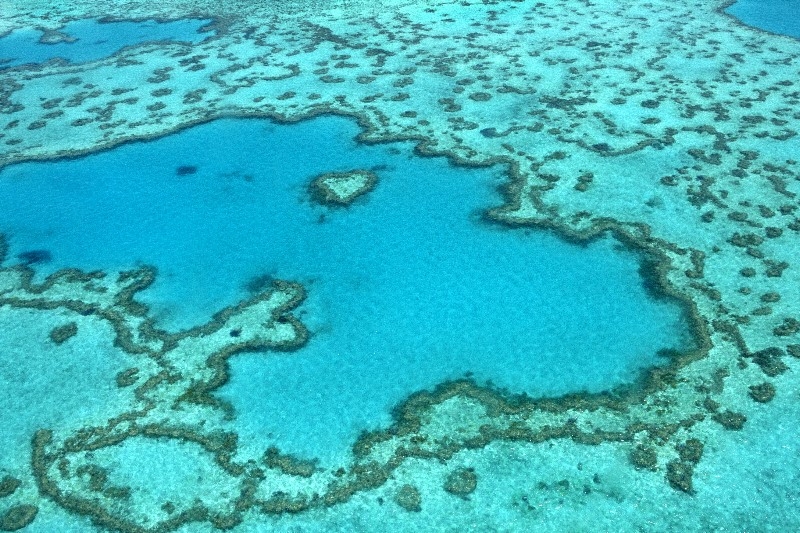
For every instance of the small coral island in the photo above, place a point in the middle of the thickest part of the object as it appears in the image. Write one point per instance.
(342, 188)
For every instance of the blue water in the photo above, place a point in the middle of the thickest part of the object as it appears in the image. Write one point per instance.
(94, 40)
(776, 16)
(406, 288)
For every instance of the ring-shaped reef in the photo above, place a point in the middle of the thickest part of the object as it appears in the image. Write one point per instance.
(460, 334)
(711, 122)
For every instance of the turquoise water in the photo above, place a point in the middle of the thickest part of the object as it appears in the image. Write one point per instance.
(90, 40)
(40, 389)
(406, 288)
(775, 16)
(412, 285)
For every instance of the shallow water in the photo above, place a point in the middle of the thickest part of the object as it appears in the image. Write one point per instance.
(670, 120)
(394, 282)
(90, 40)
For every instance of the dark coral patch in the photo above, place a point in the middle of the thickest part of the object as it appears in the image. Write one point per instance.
(462, 482)
(679, 476)
(35, 257)
(769, 360)
(258, 284)
(644, 457)
(18, 517)
(185, 170)
(762, 393)
(62, 334)
(730, 420)
(288, 464)
(788, 327)
(690, 451)
(8, 485)
(126, 378)
(408, 498)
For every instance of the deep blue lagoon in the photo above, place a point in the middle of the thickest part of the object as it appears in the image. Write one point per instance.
(85, 40)
(775, 16)
(407, 287)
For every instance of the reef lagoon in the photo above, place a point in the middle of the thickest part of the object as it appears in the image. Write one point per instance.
(419, 266)
(774, 16)
(85, 40)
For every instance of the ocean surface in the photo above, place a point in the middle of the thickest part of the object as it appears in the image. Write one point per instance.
(511, 331)
(80, 41)
(393, 281)
(774, 16)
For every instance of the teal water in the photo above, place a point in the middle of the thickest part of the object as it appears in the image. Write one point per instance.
(775, 16)
(43, 385)
(406, 288)
(410, 286)
(90, 40)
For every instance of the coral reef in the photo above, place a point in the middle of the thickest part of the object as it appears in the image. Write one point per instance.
(342, 188)
(409, 498)
(461, 482)
(677, 138)
(62, 334)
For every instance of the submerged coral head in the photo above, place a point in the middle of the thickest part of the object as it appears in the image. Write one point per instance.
(185, 170)
(35, 257)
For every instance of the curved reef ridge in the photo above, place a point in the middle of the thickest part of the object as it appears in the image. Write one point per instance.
(667, 123)
(342, 188)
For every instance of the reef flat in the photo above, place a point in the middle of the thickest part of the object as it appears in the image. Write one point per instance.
(668, 123)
